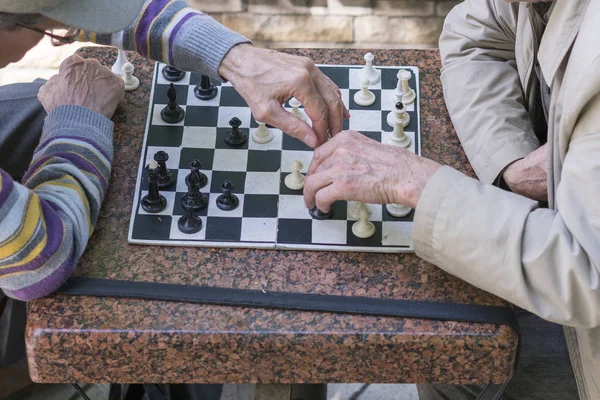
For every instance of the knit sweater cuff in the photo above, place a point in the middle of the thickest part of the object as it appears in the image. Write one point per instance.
(202, 46)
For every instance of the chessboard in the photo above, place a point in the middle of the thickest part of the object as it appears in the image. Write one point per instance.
(269, 215)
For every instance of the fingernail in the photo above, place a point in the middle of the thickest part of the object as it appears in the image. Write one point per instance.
(311, 141)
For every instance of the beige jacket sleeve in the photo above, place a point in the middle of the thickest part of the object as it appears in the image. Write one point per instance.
(546, 261)
(482, 88)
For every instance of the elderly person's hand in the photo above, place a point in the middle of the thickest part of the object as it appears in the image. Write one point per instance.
(83, 83)
(352, 166)
(267, 78)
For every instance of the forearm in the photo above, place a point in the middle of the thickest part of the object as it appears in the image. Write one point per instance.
(503, 243)
(178, 35)
(49, 219)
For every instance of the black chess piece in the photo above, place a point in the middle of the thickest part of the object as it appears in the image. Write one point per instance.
(227, 201)
(189, 223)
(194, 199)
(205, 90)
(173, 74)
(195, 167)
(165, 177)
(317, 214)
(153, 202)
(172, 113)
(236, 137)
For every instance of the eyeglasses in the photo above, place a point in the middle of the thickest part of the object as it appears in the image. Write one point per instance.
(66, 36)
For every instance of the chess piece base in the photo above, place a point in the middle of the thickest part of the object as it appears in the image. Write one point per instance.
(364, 101)
(369, 230)
(293, 184)
(409, 97)
(236, 140)
(154, 206)
(391, 119)
(206, 94)
(227, 205)
(172, 117)
(404, 141)
(189, 225)
(133, 84)
(398, 210)
(172, 75)
(317, 214)
(262, 139)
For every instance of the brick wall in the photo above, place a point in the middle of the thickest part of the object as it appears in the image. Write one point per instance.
(333, 23)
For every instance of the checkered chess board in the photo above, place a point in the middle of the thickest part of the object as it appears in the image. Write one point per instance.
(269, 215)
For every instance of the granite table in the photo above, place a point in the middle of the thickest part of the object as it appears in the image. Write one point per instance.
(88, 339)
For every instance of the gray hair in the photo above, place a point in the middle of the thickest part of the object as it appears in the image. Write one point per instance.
(11, 21)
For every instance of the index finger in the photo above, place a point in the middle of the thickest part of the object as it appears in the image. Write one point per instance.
(315, 108)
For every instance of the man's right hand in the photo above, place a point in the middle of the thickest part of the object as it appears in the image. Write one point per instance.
(83, 83)
(528, 176)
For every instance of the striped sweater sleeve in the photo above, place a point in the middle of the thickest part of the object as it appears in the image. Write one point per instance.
(172, 32)
(45, 223)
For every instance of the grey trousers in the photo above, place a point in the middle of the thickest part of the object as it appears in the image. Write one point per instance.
(543, 372)
(21, 121)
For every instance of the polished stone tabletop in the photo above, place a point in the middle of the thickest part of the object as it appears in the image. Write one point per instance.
(85, 339)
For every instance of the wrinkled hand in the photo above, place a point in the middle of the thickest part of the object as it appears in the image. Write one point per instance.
(267, 78)
(528, 176)
(83, 83)
(353, 167)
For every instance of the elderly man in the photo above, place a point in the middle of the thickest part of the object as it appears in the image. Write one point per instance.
(515, 76)
(56, 138)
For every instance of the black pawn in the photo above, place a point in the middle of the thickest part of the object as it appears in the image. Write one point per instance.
(173, 74)
(165, 177)
(236, 137)
(172, 113)
(189, 223)
(227, 201)
(193, 199)
(205, 90)
(195, 167)
(317, 214)
(153, 202)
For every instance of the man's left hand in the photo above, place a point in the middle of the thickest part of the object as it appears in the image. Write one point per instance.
(353, 167)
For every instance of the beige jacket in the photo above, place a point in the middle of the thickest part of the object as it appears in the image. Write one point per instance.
(544, 260)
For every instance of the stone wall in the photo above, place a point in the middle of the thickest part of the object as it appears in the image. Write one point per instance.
(333, 23)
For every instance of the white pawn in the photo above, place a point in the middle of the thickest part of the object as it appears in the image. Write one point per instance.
(368, 71)
(363, 228)
(131, 82)
(262, 134)
(408, 94)
(353, 208)
(398, 210)
(117, 67)
(295, 104)
(364, 97)
(398, 114)
(398, 137)
(295, 180)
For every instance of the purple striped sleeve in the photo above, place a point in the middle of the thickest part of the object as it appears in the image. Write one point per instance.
(7, 187)
(175, 31)
(141, 34)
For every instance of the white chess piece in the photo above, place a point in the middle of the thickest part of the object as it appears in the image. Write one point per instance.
(408, 94)
(295, 104)
(398, 210)
(131, 82)
(353, 208)
(368, 71)
(363, 228)
(398, 113)
(364, 97)
(398, 137)
(295, 180)
(117, 67)
(262, 134)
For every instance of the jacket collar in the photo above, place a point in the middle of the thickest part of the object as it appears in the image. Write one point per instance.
(559, 35)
